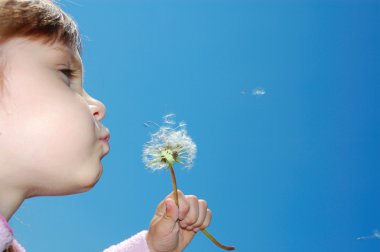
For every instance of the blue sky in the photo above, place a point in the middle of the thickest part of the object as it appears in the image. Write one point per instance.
(294, 169)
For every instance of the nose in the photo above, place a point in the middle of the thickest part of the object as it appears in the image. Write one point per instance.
(97, 108)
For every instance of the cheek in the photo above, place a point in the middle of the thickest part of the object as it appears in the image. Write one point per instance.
(66, 132)
(54, 134)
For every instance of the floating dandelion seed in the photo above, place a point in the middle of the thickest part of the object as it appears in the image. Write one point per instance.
(258, 91)
(244, 92)
(375, 235)
(255, 92)
(168, 146)
(169, 119)
(150, 123)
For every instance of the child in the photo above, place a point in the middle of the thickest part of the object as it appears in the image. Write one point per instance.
(43, 107)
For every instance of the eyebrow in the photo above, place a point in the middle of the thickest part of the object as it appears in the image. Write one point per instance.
(76, 61)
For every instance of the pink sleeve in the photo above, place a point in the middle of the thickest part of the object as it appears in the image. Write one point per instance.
(17, 247)
(6, 234)
(136, 243)
(6, 237)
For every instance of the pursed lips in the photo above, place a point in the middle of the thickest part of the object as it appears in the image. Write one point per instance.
(106, 138)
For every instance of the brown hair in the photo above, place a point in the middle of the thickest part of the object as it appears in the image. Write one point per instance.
(37, 20)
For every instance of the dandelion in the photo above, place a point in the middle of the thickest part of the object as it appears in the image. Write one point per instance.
(171, 145)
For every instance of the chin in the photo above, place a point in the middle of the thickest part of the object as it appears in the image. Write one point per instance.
(89, 179)
(80, 182)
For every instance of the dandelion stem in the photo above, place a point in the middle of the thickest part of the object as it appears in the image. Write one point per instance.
(174, 182)
(215, 241)
(204, 231)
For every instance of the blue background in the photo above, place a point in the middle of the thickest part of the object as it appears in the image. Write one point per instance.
(293, 170)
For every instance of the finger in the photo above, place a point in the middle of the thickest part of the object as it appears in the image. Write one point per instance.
(184, 206)
(193, 213)
(201, 216)
(171, 210)
(166, 222)
(206, 222)
(171, 195)
(161, 209)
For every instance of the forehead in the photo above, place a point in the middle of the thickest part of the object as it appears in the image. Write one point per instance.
(67, 52)
(37, 48)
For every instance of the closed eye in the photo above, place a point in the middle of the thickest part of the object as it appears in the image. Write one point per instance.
(69, 73)
(71, 76)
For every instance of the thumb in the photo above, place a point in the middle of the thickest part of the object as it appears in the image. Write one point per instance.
(171, 211)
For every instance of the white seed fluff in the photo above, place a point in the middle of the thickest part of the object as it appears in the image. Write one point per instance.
(168, 138)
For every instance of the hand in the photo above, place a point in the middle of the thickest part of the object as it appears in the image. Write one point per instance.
(172, 228)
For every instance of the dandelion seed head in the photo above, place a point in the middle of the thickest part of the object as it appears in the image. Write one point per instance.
(169, 145)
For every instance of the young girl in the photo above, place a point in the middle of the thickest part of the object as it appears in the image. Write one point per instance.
(51, 137)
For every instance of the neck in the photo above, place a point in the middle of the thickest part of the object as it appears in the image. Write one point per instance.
(10, 201)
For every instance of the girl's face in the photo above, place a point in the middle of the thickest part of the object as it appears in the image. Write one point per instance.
(50, 131)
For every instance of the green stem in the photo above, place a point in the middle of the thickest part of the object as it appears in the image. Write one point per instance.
(215, 241)
(174, 183)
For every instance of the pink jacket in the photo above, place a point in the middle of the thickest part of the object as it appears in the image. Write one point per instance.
(136, 243)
